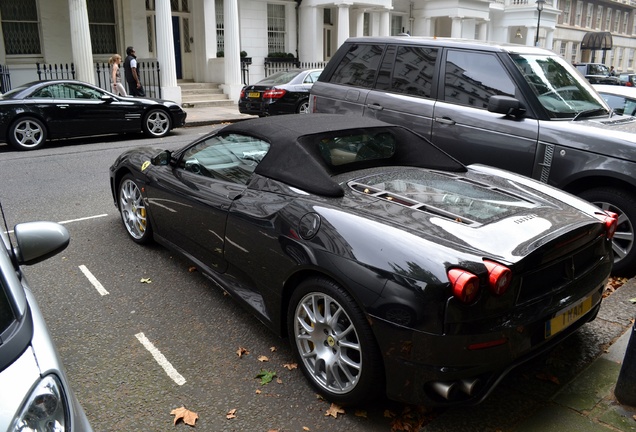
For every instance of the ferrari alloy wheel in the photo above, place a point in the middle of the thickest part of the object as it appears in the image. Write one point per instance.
(334, 343)
(133, 211)
(27, 133)
(303, 107)
(623, 204)
(157, 123)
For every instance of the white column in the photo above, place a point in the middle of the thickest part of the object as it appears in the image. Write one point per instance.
(343, 22)
(549, 38)
(456, 29)
(81, 41)
(165, 52)
(532, 31)
(310, 43)
(204, 33)
(483, 30)
(360, 23)
(292, 33)
(232, 52)
(385, 23)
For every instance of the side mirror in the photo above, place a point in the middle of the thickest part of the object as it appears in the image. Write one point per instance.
(37, 241)
(162, 158)
(506, 105)
(106, 98)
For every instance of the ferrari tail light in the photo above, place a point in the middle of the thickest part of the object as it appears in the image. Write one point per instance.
(242, 94)
(611, 223)
(274, 93)
(465, 285)
(499, 277)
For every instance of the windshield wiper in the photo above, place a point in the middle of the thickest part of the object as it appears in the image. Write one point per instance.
(589, 113)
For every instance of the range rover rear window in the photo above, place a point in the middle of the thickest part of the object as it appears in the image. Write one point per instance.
(358, 67)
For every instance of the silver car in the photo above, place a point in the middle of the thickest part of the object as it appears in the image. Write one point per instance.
(35, 394)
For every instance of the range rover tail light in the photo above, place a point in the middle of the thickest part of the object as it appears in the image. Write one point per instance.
(465, 285)
(499, 277)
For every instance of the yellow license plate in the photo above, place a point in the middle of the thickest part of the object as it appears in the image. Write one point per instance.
(254, 95)
(567, 318)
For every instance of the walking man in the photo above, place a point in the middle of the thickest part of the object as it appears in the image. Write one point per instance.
(130, 70)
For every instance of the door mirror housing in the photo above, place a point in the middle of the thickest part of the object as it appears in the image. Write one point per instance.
(506, 105)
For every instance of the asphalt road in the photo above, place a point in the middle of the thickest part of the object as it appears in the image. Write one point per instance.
(194, 329)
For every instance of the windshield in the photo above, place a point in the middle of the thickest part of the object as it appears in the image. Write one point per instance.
(564, 93)
(279, 78)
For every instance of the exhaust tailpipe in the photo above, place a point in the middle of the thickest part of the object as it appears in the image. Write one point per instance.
(445, 389)
(468, 386)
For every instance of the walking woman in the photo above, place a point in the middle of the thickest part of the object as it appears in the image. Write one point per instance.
(115, 76)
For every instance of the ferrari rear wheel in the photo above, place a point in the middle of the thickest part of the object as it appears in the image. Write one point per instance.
(133, 210)
(334, 343)
(156, 123)
(27, 133)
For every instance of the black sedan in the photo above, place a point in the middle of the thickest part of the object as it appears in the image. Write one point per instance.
(284, 92)
(41, 110)
(390, 266)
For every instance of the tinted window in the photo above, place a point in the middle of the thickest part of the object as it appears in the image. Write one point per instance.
(472, 77)
(413, 72)
(68, 91)
(231, 157)
(358, 66)
(341, 150)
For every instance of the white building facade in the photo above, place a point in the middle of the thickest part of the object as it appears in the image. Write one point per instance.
(202, 40)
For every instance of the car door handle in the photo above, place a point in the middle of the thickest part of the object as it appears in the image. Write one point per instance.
(445, 120)
(375, 107)
(62, 106)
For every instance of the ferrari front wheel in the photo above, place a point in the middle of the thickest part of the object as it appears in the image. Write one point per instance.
(133, 210)
(334, 343)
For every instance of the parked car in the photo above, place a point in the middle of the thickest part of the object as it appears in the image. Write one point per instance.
(516, 107)
(35, 395)
(41, 110)
(390, 265)
(597, 73)
(621, 99)
(285, 92)
(627, 79)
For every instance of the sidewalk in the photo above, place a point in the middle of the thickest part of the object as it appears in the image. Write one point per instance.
(583, 401)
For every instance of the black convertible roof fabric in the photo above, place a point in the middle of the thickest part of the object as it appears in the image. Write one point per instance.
(294, 157)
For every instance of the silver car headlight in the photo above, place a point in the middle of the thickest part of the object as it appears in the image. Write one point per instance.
(45, 409)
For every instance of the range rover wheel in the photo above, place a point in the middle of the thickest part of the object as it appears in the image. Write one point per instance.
(133, 210)
(334, 343)
(624, 205)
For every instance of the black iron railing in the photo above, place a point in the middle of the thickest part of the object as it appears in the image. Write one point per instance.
(5, 79)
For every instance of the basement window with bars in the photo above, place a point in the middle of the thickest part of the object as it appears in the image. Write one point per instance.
(220, 29)
(276, 28)
(20, 27)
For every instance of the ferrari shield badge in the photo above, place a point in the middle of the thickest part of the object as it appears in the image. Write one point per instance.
(145, 165)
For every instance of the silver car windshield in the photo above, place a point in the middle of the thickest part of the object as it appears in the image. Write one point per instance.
(563, 93)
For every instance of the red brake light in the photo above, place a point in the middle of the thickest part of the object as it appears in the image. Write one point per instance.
(499, 277)
(465, 285)
(242, 94)
(611, 223)
(274, 93)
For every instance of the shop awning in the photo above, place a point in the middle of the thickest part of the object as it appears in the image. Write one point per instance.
(597, 41)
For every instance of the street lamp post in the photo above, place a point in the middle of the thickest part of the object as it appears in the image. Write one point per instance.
(540, 4)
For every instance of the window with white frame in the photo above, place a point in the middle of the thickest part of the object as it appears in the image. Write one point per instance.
(630, 62)
(562, 48)
(220, 32)
(574, 52)
(619, 57)
(599, 17)
(579, 13)
(276, 28)
(396, 25)
(625, 21)
(608, 20)
(566, 12)
(102, 25)
(20, 27)
(617, 22)
(588, 15)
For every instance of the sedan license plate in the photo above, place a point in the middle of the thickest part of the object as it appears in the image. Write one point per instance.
(563, 320)
(254, 95)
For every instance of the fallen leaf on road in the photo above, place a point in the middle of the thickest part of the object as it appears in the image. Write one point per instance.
(279, 381)
(633, 300)
(361, 413)
(290, 366)
(258, 391)
(263, 359)
(272, 349)
(305, 428)
(231, 414)
(241, 352)
(265, 376)
(334, 410)
(145, 280)
(188, 416)
(192, 269)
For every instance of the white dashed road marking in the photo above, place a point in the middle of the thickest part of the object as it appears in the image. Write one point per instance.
(98, 286)
(163, 362)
